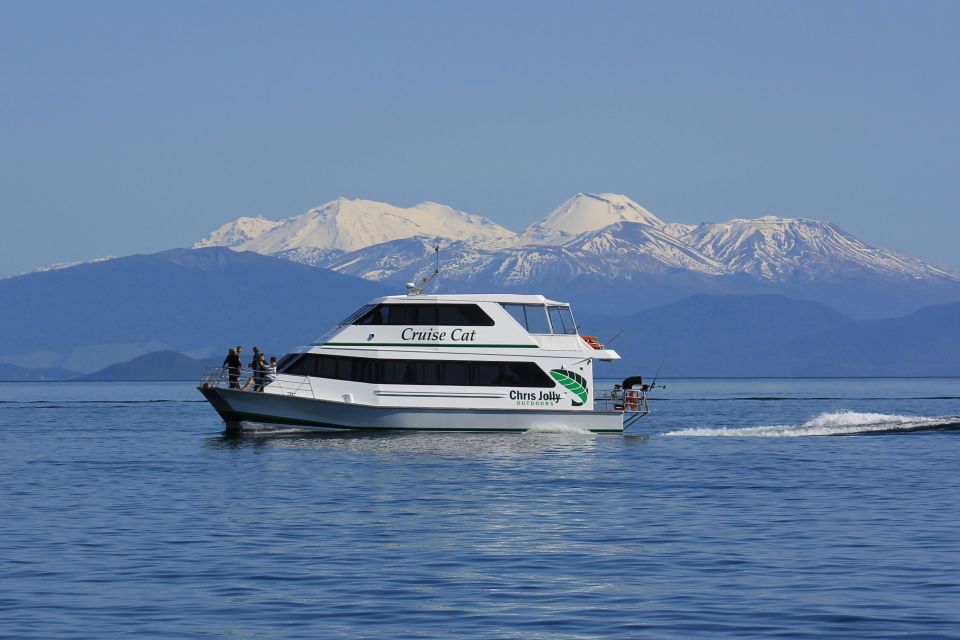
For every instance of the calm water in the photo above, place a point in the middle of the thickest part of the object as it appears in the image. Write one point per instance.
(126, 512)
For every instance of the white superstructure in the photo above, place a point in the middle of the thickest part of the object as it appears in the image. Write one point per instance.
(449, 362)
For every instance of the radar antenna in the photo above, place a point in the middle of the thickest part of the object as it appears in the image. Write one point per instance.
(416, 289)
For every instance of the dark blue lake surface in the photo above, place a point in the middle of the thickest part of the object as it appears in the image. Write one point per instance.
(126, 512)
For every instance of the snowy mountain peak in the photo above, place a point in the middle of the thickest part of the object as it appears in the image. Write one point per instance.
(642, 248)
(774, 248)
(237, 232)
(586, 212)
(349, 225)
(773, 220)
(597, 235)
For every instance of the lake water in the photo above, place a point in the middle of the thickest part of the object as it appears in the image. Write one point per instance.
(730, 513)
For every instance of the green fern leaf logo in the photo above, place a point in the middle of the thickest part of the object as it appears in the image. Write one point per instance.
(574, 382)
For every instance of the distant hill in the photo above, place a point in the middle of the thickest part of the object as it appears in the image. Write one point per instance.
(11, 372)
(924, 343)
(729, 336)
(722, 336)
(199, 302)
(159, 365)
(196, 301)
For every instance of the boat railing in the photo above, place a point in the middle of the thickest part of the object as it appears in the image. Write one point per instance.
(627, 401)
(285, 384)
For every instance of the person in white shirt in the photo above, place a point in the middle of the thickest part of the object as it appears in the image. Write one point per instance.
(272, 369)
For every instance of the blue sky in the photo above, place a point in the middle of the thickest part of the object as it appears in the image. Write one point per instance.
(133, 127)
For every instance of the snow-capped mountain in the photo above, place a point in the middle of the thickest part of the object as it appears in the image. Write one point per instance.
(622, 250)
(774, 248)
(627, 247)
(237, 233)
(349, 225)
(586, 212)
(602, 276)
(603, 248)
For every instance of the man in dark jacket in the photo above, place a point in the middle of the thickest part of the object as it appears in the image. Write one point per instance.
(233, 365)
(257, 366)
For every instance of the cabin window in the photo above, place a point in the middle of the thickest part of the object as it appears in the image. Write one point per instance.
(513, 374)
(517, 312)
(456, 373)
(433, 315)
(324, 368)
(377, 315)
(356, 314)
(562, 320)
(286, 360)
(469, 315)
(532, 317)
(486, 374)
(420, 372)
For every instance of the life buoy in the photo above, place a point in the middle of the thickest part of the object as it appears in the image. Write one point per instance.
(592, 341)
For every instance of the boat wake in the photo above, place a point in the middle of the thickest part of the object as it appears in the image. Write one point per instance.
(560, 428)
(832, 423)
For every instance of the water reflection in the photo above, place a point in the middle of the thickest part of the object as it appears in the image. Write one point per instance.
(467, 445)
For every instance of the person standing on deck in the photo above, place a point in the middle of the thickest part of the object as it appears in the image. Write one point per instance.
(257, 365)
(272, 370)
(233, 365)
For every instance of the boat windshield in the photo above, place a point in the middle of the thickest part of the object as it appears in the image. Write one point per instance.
(538, 319)
(532, 317)
(356, 314)
(562, 320)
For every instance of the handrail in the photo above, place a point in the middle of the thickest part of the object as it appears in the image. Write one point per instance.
(623, 400)
(286, 384)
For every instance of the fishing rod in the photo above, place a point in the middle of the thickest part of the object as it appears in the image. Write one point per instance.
(653, 385)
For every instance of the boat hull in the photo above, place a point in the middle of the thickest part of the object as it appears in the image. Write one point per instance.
(236, 406)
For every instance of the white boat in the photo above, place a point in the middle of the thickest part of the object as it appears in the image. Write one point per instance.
(439, 363)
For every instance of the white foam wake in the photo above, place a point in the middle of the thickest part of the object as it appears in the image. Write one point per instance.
(560, 428)
(830, 423)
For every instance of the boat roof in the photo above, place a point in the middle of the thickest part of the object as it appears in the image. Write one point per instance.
(509, 298)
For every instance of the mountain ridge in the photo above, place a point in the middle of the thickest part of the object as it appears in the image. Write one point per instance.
(584, 213)
(196, 301)
(607, 251)
(769, 248)
(773, 248)
(348, 225)
(771, 335)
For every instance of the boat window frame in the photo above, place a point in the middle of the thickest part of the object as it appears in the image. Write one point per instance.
(466, 309)
(362, 311)
(547, 309)
(560, 309)
(523, 374)
(526, 318)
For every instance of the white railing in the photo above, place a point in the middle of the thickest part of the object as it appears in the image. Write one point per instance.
(219, 377)
(624, 400)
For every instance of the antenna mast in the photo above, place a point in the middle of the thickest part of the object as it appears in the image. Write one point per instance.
(415, 289)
